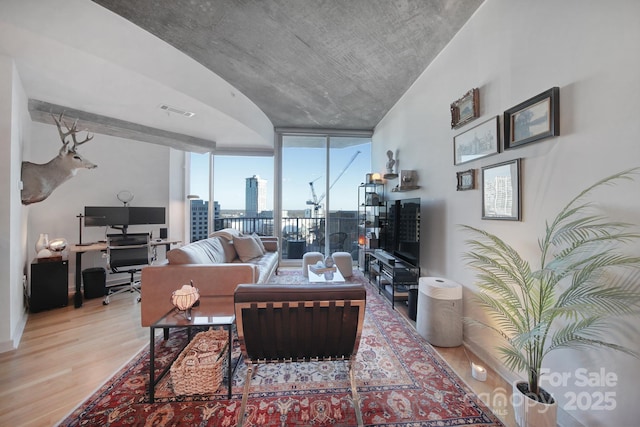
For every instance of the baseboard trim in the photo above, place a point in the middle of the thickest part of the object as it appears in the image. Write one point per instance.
(17, 335)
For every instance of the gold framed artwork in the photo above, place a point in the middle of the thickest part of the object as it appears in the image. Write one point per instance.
(465, 109)
(466, 180)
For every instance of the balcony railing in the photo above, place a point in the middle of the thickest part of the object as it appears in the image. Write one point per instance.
(300, 235)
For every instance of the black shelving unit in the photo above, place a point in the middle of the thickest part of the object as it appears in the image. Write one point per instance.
(393, 277)
(371, 219)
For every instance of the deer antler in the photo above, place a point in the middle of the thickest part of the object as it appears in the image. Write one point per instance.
(70, 131)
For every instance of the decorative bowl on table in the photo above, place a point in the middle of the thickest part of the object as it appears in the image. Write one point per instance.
(185, 298)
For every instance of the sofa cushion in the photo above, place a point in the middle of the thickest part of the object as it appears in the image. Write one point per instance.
(247, 248)
(230, 253)
(207, 251)
(227, 233)
(226, 238)
(259, 242)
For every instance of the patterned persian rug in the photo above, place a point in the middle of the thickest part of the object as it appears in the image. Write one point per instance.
(401, 382)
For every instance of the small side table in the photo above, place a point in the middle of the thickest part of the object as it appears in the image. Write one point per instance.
(177, 319)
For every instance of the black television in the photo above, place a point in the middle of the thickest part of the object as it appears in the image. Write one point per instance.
(402, 234)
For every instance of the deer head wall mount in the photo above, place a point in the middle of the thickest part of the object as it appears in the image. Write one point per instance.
(39, 180)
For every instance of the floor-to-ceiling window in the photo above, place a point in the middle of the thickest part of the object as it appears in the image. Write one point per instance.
(320, 177)
(230, 191)
(312, 208)
(243, 188)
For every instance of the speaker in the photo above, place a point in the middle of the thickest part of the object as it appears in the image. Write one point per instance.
(163, 233)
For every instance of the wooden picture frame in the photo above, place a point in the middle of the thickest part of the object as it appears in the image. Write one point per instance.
(466, 180)
(480, 141)
(535, 119)
(501, 191)
(465, 109)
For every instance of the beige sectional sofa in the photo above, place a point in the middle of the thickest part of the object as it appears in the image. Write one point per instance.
(216, 265)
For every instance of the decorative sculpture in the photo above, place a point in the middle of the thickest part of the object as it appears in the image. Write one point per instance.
(390, 162)
(39, 180)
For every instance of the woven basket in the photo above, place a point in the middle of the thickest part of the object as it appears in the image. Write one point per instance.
(199, 368)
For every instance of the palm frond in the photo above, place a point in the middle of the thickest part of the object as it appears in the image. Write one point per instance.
(578, 283)
(513, 358)
(500, 332)
(583, 334)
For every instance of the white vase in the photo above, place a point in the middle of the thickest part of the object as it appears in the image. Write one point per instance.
(531, 413)
(42, 243)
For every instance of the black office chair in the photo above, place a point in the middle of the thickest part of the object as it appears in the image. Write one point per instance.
(127, 253)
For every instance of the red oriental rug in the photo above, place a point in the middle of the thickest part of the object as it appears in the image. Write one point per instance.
(401, 382)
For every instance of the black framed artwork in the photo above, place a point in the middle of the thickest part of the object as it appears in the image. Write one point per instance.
(535, 119)
(480, 141)
(501, 191)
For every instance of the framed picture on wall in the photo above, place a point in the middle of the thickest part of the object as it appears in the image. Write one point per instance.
(532, 120)
(480, 141)
(466, 180)
(501, 191)
(465, 109)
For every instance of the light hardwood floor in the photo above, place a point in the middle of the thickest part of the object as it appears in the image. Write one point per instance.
(67, 353)
(64, 355)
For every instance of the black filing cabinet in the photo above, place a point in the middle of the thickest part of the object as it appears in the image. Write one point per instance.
(49, 287)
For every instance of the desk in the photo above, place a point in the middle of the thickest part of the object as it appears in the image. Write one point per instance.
(101, 247)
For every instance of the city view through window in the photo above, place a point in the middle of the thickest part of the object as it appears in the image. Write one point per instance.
(313, 205)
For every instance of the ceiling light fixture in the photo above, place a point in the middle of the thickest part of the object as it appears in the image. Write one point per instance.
(176, 110)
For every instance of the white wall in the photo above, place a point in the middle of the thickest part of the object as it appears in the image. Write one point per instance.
(513, 51)
(12, 134)
(154, 174)
(139, 167)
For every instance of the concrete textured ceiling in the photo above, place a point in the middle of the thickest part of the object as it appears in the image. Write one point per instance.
(243, 67)
(337, 64)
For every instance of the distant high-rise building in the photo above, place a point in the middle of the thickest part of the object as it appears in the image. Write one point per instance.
(199, 220)
(255, 196)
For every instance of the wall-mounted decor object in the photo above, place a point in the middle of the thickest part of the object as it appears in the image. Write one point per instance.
(501, 191)
(532, 120)
(39, 180)
(465, 109)
(390, 162)
(466, 180)
(480, 141)
(408, 181)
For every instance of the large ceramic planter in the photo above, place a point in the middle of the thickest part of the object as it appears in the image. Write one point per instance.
(531, 413)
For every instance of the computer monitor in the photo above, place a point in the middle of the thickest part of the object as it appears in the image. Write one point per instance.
(149, 215)
(120, 217)
(105, 216)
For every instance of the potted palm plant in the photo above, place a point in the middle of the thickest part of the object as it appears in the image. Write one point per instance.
(584, 279)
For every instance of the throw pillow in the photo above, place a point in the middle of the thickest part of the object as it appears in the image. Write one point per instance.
(259, 242)
(227, 233)
(246, 247)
